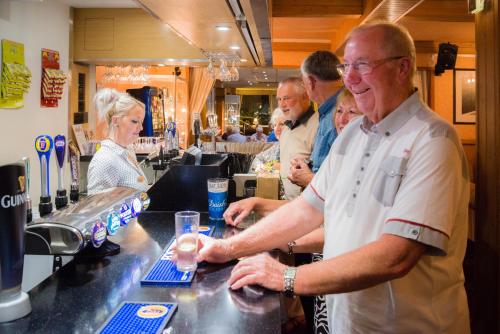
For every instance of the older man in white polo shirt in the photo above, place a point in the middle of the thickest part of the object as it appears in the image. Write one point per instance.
(393, 197)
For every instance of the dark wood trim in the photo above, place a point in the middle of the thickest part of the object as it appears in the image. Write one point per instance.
(484, 296)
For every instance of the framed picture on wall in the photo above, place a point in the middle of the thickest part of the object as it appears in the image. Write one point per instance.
(464, 96)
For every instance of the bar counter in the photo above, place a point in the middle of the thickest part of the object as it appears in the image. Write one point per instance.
(83, 294)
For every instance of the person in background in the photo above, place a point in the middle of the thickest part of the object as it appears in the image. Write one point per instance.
(272, 137)
(299, 132)
(393, 196)
(115, 164)
(272, 154)
(323, 85)
(259, 135)
(227, 132)
(236, 136)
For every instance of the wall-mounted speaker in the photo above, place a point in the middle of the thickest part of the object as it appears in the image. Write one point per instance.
(447, 56)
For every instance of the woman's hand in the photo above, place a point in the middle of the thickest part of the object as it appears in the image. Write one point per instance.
(300, 173)
(240, 209)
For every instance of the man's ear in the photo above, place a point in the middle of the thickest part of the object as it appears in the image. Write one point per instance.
(312, 81)
(404, 67)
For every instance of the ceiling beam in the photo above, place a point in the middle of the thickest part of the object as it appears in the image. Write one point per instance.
(316, 8)
(300, 46)
(441, 10)
(387, 10)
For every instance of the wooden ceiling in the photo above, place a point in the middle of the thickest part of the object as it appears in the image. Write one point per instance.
(284, 32)
(301, 26)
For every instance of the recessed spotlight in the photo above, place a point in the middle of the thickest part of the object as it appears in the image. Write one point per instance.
(243, 60)
(222, 28)
(234, 47)
(161, 65)
(263, 72)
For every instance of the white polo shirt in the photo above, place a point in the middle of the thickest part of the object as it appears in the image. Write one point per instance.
(114, 166)
(406, 176)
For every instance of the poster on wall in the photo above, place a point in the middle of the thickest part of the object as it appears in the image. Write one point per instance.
(464, 96)
(53, 79)
(15, 79)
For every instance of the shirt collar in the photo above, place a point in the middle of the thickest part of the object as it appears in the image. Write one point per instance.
(118, 149)
(329, 103)
(302, 119)
(394, 120)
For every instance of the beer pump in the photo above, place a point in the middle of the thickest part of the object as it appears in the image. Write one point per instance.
(44, 145)
(60, 148)
(27, 168)
(74, 163)
(14, 303)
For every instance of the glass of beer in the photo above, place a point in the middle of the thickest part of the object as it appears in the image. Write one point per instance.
(186, 234)
(217, 197)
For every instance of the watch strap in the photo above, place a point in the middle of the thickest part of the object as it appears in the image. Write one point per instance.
(289, 277)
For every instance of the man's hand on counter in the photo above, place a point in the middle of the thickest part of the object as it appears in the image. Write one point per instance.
(261, 270)
(213, 250)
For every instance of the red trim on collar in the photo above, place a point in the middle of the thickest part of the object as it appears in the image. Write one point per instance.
(416, 224)
(321, 198)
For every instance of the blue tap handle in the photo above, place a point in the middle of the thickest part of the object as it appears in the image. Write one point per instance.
(44, 145)
(60, 147)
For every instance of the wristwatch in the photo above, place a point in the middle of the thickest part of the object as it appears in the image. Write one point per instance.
(291, 244)
(289, 276)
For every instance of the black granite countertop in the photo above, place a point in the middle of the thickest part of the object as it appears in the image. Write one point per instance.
(81, 296)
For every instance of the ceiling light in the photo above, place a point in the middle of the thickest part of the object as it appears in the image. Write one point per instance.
(263, 72)
(161, 65)
(243, 60)
(222, 28)
(234, 47)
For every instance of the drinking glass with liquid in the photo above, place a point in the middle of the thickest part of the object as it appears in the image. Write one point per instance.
(187, 224)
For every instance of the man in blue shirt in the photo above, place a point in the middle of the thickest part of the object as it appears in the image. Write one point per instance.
(323, 84)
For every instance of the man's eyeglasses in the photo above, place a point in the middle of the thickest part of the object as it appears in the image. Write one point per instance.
(284, 98)
(364, 67)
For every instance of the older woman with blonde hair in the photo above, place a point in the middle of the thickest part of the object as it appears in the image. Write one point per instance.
(115, 163)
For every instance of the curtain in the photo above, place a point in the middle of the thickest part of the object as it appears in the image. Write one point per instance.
(200, 84)
(422, 82)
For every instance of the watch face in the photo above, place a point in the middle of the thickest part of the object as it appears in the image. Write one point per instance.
(290, 272)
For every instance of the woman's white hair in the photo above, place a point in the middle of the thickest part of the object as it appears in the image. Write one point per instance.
(110, 102)
(277, 113)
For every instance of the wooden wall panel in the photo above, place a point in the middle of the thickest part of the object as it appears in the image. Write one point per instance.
(104, 35)
(485, 295)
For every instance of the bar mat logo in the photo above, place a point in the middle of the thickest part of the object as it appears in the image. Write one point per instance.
(152, 311)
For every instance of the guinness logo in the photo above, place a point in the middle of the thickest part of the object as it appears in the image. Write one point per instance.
(22, 183)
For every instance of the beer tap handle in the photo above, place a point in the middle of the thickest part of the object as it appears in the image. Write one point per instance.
(60, 148)
(44, 145)
(74, 161)
(27, 168)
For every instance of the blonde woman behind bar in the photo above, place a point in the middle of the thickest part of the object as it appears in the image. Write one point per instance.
(115, 164)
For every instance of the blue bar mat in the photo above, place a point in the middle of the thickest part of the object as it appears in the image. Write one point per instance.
(139, 317)
(164, 271)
